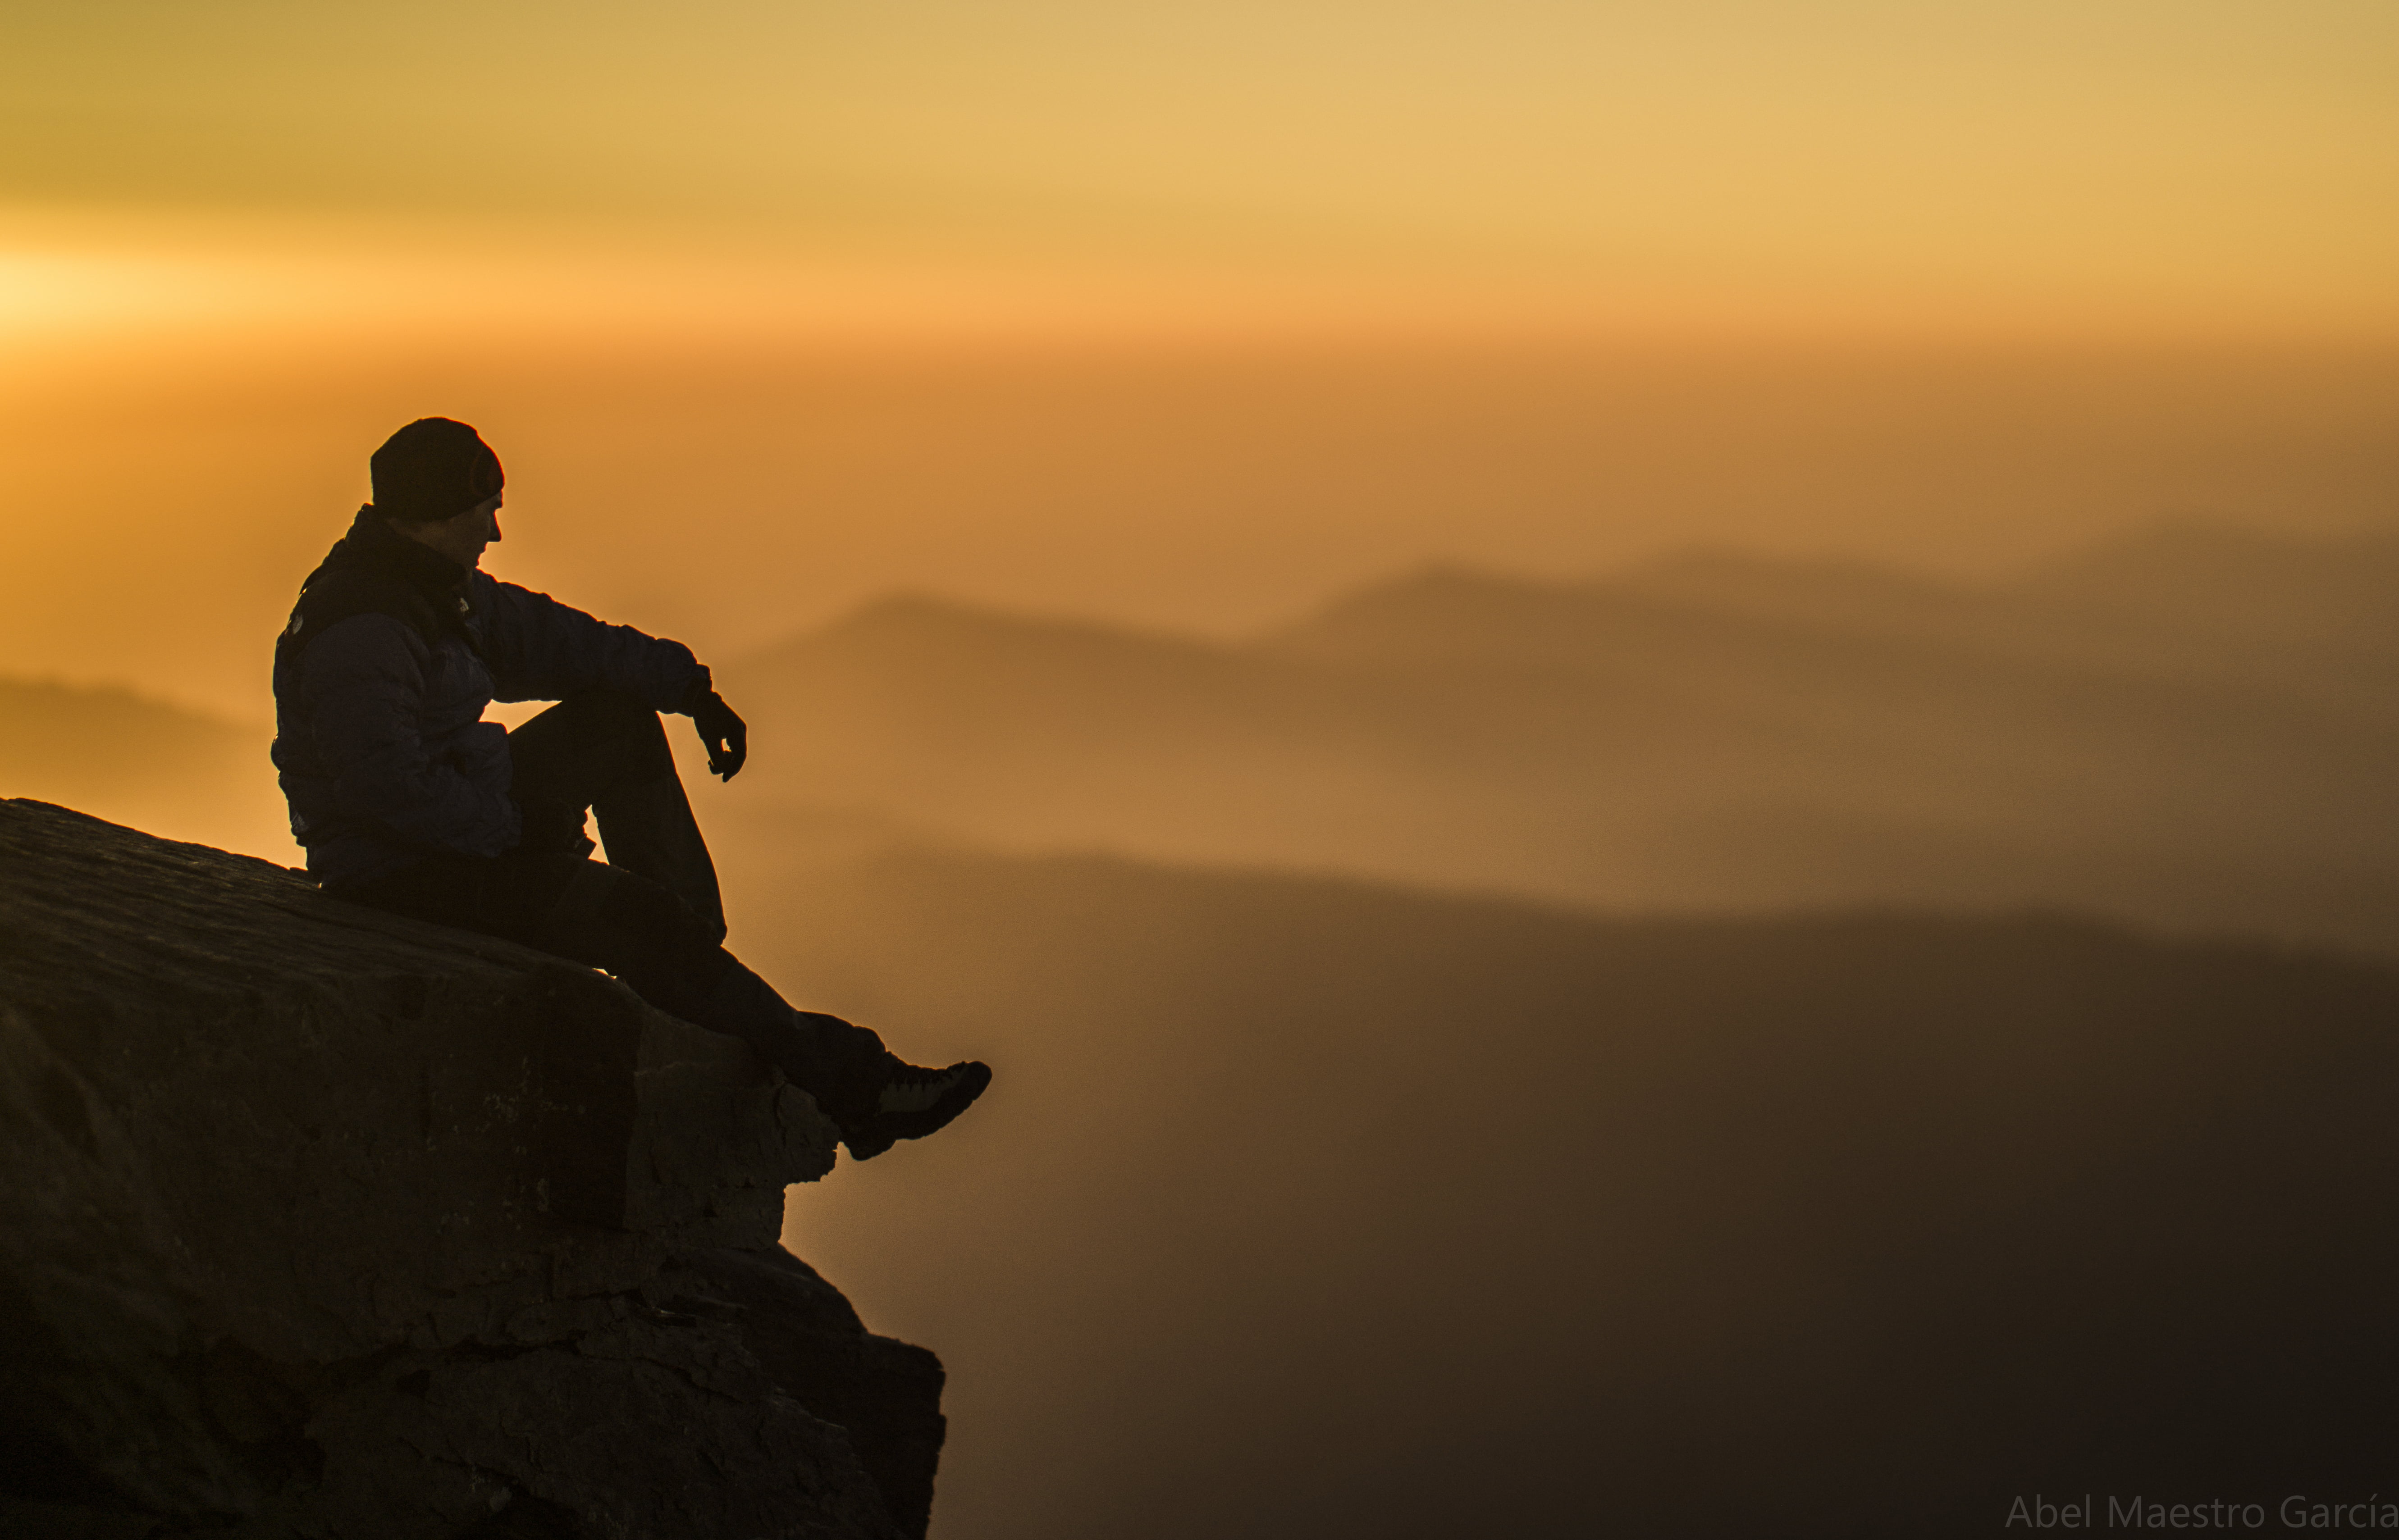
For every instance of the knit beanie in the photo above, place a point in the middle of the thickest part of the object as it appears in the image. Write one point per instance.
(433, 469)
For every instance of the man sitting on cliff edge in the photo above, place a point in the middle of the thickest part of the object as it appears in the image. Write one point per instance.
(407, 799)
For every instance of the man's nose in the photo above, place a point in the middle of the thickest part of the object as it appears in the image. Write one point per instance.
(496, 526)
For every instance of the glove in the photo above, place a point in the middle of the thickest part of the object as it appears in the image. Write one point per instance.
(725, 736)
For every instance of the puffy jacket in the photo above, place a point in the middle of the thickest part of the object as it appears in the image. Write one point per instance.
(380, 683)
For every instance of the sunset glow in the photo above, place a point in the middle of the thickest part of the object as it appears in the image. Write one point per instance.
(1735, 166)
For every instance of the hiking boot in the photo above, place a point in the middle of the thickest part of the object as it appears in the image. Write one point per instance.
(913, 1102)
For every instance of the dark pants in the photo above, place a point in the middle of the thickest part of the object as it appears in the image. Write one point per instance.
(651, 915)
(606, 753)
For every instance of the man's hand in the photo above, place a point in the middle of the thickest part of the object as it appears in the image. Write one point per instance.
(725, 736)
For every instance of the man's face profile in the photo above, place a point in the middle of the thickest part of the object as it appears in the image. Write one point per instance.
(461, 537)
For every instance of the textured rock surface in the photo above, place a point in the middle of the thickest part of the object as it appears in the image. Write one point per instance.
(326, 1223)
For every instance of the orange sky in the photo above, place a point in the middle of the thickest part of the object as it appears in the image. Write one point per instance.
(1844, 166)
(1183, 316)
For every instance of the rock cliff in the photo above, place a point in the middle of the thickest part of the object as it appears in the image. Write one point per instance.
(325, 1222)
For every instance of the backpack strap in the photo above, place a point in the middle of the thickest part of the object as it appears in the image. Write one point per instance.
(337, 591)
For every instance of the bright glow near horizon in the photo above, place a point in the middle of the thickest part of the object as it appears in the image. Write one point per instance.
(900, 295)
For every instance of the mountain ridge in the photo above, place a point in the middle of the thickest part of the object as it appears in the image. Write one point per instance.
(2202, 553)
(139, 759)
(1623, 747)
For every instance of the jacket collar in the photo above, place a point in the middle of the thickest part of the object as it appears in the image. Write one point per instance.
(374, 543)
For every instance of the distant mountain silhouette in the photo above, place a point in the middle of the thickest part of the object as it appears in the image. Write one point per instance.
(133, 759)
(2134, 732)
(2314, 618)
(1306, 1207)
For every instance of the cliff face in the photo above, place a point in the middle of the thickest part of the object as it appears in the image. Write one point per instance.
(322, 1222)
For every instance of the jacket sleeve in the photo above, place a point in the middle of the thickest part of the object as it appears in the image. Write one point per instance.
(539, 649)
(362, 685)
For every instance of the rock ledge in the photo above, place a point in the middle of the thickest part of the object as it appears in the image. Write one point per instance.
(326, 1223)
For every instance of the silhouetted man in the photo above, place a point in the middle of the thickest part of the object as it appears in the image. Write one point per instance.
(406, 799)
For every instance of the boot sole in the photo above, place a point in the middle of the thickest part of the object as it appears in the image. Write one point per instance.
(889, 1128)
